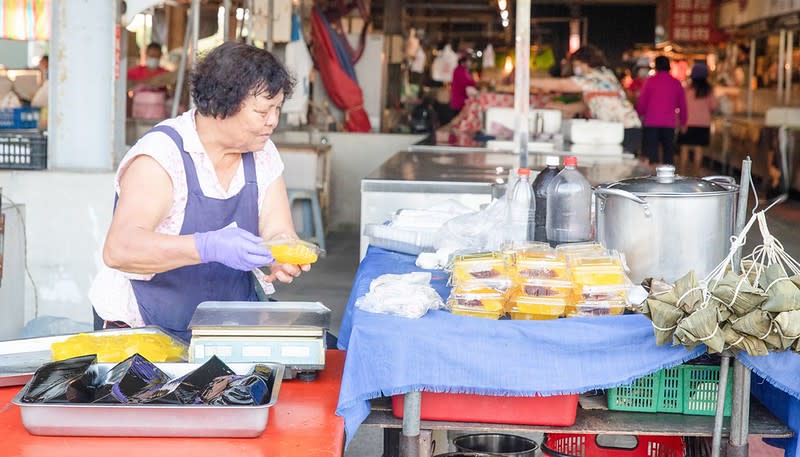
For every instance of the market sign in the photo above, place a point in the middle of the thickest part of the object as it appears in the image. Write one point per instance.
(741, 12)
(692, 21)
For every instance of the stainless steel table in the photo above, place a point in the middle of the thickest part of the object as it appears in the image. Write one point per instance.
(426, 175)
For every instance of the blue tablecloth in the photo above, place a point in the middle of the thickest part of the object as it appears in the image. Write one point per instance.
(441, 352)
(776, 383)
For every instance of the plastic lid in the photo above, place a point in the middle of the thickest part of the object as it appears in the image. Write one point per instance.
(552, 161)
(570, 161)
(524, 172)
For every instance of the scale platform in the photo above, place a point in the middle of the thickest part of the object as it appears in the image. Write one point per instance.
(290, 333)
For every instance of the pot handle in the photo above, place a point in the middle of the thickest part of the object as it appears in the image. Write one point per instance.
(605, 191)
(721, 178)
(619, 193)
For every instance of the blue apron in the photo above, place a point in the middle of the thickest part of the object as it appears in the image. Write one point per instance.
(170, 298)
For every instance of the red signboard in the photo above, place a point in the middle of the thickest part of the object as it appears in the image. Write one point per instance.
(693, 21)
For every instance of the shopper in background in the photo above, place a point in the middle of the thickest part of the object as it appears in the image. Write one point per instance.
(700, 104)
(152, 66)
(463, 85)
(662, 106)
(39, 99)
(150, 94)
(603, 96)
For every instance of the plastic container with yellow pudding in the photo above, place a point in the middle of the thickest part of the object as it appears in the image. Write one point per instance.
(597, 271)
(522, 307)
(544, 288)
(486, 303)
(597, 308)
(293, 252)
(477, 266)
(603, 293)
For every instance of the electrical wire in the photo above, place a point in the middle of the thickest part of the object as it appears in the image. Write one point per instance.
(25, 254)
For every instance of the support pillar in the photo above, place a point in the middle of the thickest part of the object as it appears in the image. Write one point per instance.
(82, 85)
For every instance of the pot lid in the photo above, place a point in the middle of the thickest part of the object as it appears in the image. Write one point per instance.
(666, 182)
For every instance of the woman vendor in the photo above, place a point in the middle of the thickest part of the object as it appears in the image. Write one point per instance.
(195, 197)
(603, 95)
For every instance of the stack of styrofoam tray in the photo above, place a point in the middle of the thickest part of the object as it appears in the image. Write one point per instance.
(400, 239)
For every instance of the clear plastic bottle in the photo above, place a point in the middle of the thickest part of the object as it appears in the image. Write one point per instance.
(521, 208)
(569, 202)
(540, 196)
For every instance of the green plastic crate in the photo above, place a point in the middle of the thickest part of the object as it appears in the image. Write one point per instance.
(641, 395)
(700, 387)
(670, 394)
(687, 389)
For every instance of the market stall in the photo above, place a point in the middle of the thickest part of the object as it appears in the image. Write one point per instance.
(390, 355)
(302, 422)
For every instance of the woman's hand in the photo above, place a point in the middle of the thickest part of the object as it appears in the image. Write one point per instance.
(286, 272)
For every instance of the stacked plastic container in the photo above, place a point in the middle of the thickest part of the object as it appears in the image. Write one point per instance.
(598, 280)
(537, 282)
(542, 288)
(480, 285)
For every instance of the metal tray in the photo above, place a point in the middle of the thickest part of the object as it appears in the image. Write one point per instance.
(261, 314)
(151, 420)
(20, 358)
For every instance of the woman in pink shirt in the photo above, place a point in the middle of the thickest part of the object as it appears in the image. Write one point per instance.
(701, 103)
(462, 81)
(662, 107)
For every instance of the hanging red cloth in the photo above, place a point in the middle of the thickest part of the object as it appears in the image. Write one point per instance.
(342, 89)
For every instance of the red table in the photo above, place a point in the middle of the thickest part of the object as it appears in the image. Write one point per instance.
(303, 422)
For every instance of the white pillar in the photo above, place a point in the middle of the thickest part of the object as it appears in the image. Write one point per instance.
(81, 84)
(522, 79)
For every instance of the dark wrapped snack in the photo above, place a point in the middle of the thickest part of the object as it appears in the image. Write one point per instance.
(66, 381)
(186, 389)
(251, 390)
(128, 378)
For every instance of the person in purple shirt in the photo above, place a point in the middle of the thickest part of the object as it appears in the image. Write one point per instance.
(662, 107)
(462, 82)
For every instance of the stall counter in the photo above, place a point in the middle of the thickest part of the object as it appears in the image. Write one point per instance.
(301, 423)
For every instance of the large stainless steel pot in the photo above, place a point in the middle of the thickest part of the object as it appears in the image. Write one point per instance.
(667, 225)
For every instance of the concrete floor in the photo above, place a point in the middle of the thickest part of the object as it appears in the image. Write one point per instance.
(331, 279)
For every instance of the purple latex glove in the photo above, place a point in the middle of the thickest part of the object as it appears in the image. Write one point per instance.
(232, 247)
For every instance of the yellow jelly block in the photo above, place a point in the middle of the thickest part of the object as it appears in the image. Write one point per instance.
(294, 254)
(116, 348)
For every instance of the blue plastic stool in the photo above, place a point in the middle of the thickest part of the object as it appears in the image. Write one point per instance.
(313, 229)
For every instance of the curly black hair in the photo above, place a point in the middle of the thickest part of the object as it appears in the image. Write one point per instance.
(232, 71)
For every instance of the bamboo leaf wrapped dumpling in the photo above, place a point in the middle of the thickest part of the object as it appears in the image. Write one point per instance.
(738, 294)
(788, 326)
(665, 319)
(758, 323)
(750, 344)
(688, 293)
(701, 327)
(783, 294)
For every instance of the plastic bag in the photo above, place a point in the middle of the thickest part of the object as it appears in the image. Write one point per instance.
(484, 230)
(127, 378)
(67, 381)
(409, 295)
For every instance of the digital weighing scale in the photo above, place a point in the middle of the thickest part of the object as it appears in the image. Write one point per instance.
(290, 333)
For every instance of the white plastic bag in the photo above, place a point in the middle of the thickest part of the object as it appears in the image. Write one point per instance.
(482, 230)
(408, 295)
